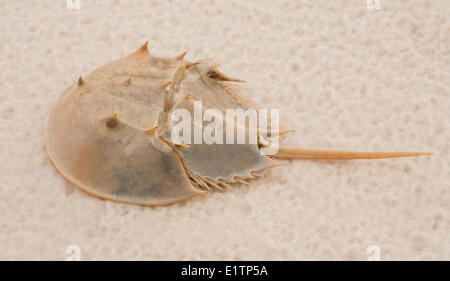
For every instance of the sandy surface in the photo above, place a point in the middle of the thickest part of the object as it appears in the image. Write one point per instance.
(344, 76)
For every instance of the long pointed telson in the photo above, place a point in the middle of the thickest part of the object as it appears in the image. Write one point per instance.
(286, 152)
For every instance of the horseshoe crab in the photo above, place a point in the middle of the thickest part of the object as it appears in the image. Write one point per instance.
(109, 133)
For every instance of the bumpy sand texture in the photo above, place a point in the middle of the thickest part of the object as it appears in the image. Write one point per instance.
(344, 76)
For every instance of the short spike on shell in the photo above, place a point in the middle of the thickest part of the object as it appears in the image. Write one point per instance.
(217, 75)
(142, 50)
(181, 57)
(80, 82)
(166, 84)
(151, 131)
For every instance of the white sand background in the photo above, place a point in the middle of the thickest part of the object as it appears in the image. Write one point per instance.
(344, 76)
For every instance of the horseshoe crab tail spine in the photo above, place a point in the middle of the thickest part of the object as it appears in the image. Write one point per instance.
(285, 152)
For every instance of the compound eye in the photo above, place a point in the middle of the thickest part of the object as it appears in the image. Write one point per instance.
(112, 122)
